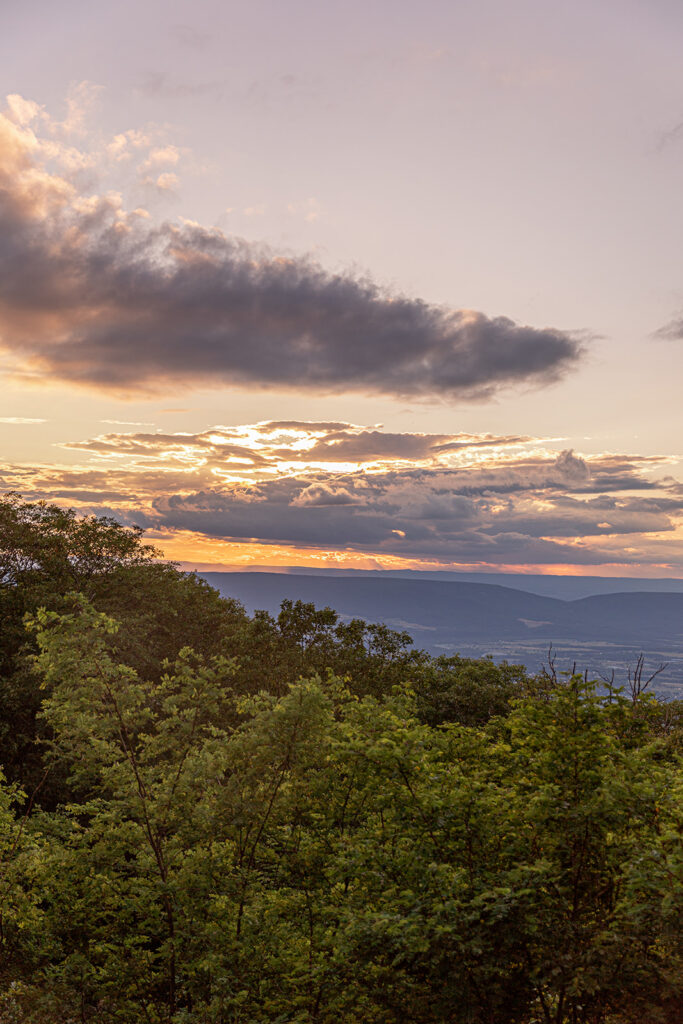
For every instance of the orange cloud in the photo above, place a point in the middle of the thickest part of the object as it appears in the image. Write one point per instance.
(330, 492)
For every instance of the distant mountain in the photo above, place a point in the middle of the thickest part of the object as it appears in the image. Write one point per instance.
(566, 588)
(461, 608)
(599, 632)
(465, 610)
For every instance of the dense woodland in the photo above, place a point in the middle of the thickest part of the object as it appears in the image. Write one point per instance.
(212, 817)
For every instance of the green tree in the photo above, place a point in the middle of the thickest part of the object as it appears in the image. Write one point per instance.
(46, 553)
(529, 871)
(119, 864)
(322, 853)
(304, 640)
(467, 690)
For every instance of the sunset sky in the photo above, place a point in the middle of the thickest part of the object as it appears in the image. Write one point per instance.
(379, 284)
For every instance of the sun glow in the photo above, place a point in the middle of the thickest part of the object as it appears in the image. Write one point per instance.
(307, 493)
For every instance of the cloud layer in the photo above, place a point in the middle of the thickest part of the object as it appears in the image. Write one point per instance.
(94, 295)
(673, 331)
(335, 487)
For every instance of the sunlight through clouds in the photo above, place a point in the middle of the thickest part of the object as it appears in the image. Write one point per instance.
(330, 490)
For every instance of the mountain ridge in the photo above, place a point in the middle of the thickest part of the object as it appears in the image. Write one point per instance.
(600, 631)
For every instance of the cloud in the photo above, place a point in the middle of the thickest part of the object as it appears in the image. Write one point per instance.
(20, 419)
(344, 488)
(673, 331)
(94, 295)
(166, 182)
(280, 445)
(670, 136)
(128, 423)
(161, 156)
(423, 518)
(124, 144)
(22, 111)
(308, 209)
(80, 101)
(161, 84)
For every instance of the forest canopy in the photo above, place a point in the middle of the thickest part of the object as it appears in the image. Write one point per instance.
(212, 817)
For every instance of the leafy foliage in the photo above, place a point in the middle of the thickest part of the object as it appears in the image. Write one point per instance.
(304, 820)
(47, 553)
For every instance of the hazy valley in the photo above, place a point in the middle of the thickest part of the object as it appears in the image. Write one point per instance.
(597, 631)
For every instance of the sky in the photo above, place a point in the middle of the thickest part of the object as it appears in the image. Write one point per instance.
(377, 285)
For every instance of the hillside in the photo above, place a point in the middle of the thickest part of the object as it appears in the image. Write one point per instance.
(599, 632)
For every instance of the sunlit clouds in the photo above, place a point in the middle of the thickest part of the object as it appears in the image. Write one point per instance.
(97, 294)
(21, 420)
(337, 493)
(127, 303)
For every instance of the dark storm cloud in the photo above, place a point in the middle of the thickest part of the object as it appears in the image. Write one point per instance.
(93, 295)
